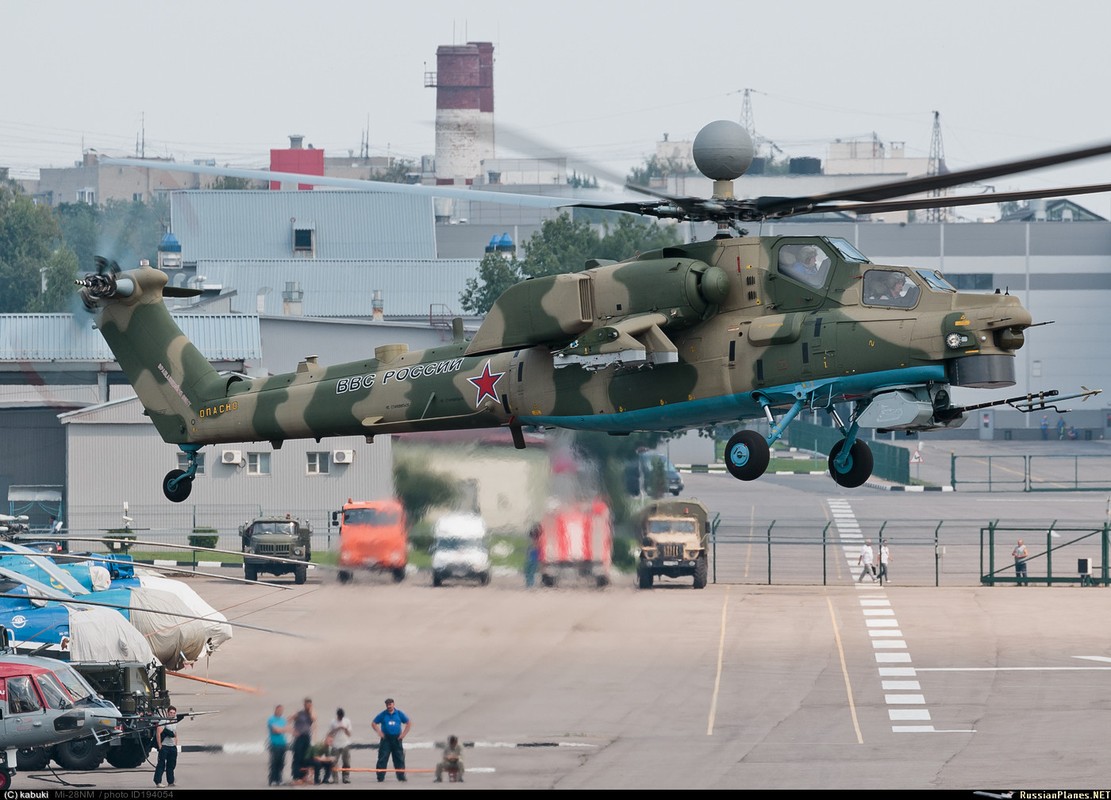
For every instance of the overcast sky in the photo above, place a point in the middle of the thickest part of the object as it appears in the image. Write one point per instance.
(601, 79)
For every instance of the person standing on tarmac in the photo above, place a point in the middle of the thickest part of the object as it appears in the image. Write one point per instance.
(392, 725)
(276, 730)
(165, 742)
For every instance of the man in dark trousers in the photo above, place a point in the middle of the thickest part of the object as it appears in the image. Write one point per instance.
(392, 725)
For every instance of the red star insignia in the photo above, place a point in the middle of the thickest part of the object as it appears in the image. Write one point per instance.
(485, 384)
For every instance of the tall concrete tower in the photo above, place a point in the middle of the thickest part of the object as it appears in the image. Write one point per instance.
(464, 82)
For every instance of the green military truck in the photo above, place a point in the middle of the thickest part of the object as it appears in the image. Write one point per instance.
(139, 692)
(673, 541)
(278, 544)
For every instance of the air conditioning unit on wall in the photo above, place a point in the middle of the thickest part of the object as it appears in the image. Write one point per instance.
(231, 457)
(343, 456)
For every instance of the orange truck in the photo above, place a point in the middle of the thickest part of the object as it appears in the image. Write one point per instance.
(373, 535)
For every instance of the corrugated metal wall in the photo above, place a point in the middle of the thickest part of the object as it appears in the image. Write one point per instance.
(114, 462)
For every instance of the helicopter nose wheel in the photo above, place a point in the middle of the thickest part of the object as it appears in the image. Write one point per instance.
(854, 469)
(747, 455)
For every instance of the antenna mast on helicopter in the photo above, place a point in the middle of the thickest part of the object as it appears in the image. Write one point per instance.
(937, 167)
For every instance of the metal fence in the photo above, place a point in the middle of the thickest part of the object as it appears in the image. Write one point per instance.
(170, 525)
(923, 553)
(1031, 473)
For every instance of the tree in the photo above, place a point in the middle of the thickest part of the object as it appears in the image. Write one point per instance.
(561, 245)
(36, 267)
(656, 168)
(226, 183)
(495, 275)
(400, 170)
(420, 490)
(122, 231)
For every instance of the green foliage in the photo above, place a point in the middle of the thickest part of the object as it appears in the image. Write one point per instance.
(655, 482)
(400, 171)
(36, 269)
(204, 537)
(577, 181)
(495, 275)
(659, 168)
(563, 245)
(121, 539)
(419, 490)
(610, 455)
(121, 231)
(228, 184)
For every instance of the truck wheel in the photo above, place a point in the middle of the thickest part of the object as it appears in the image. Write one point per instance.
(79, 754)
(131, 752)
(700, 572)
(547, 580)
(484, 578)
(5, 779)
(344, 576)
(250, 572)
(644, 579)
(300, 573)
(602, 581)
(437, 579)
(399, 575)
(31, 759)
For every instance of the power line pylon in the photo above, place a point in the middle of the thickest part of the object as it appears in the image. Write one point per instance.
(937, 167)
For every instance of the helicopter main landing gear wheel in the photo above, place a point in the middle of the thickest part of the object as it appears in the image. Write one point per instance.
(176, 486)
(858, 468)
(747, 455)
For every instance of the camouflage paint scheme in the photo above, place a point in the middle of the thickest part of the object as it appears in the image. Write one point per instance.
(709, 332)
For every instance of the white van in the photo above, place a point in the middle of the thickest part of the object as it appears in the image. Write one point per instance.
(460, 549)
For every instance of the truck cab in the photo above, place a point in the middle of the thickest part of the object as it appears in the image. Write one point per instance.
(460, 549)
(673, 542)
(278, 544)
(373, 535)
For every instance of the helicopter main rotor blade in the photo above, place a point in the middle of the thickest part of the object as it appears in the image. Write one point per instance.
(949, 201)
(450, 192)
(926, 183)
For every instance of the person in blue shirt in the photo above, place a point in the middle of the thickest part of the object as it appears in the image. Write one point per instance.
(392, 725)
(276, 730)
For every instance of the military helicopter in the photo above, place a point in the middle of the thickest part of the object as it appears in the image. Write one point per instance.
(733, 328)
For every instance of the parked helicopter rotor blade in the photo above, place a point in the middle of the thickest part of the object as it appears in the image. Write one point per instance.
(67, 600)
(71, 558)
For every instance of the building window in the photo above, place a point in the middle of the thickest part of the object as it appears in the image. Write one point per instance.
(304, 241)
(86, 196)
(319, 463)
(258, 463)
(183, 462)
(137, 197)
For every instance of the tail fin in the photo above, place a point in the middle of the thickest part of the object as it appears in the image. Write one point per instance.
(168, 372)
